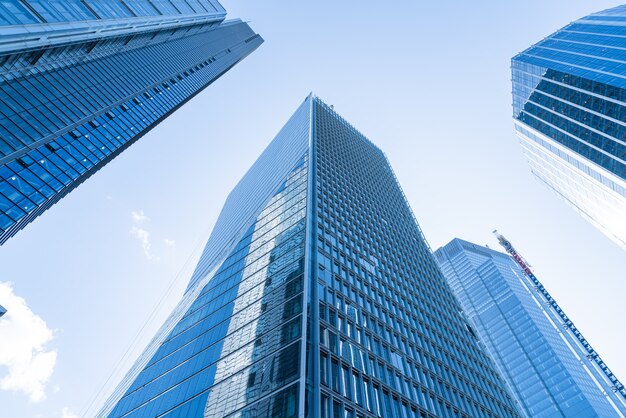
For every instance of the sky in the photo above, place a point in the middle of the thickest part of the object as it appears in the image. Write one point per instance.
(89, 282)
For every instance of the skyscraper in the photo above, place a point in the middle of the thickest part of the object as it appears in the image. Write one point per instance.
(569, 109)
(549, 371)
(81, 80)
(317, 296)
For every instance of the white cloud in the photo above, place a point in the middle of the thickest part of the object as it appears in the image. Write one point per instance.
(67, 413)
(23, 351)
(169, 242)
(142, 234)
(144, 237)
(138, 216)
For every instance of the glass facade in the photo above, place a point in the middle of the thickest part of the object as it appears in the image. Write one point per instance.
(569, 109)
(68, 108)
(316, 296)
(25, 12)
(546, 368)
(26, 25)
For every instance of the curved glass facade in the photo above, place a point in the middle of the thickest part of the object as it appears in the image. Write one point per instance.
(569, 108)
(67, 109)
(315, 296)
(546, 368)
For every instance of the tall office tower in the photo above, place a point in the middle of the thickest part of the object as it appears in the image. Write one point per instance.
(569, 109)
(81, 80)
(548, 370)
(316, 296)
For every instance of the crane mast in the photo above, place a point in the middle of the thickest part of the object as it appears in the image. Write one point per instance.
(592, 355)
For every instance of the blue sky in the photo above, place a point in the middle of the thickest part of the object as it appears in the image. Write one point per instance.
(427, 82)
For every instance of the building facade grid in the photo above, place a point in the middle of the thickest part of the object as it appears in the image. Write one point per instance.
(548, 371)
(386, 349)
(67, 109)
(345, 313)
(569, 109)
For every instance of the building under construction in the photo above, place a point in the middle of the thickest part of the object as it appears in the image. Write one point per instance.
(550, 367)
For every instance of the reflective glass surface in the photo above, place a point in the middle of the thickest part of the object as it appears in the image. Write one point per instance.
(233, 346)
(240, 340)
(390, 341)
(14, 12)
(546, 369)
(67, 110)
(316, 296)
(569, 107)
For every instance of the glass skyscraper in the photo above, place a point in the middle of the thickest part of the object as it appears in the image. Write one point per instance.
(547, 369)
(569, 109)
(316, 296)
(81, 80)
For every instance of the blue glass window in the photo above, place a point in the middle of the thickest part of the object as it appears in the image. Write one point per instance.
(109, 9)
(61, 10)
(13, 12)
(142, 7)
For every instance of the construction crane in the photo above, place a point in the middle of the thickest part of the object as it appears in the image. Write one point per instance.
(616, 385)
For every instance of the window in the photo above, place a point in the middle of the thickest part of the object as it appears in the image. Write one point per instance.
(358, 388)
(61, 10)
(337, 409)
(335, 374)
(324, 369)
(347, 384)
(12, 12)
(324, 413)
